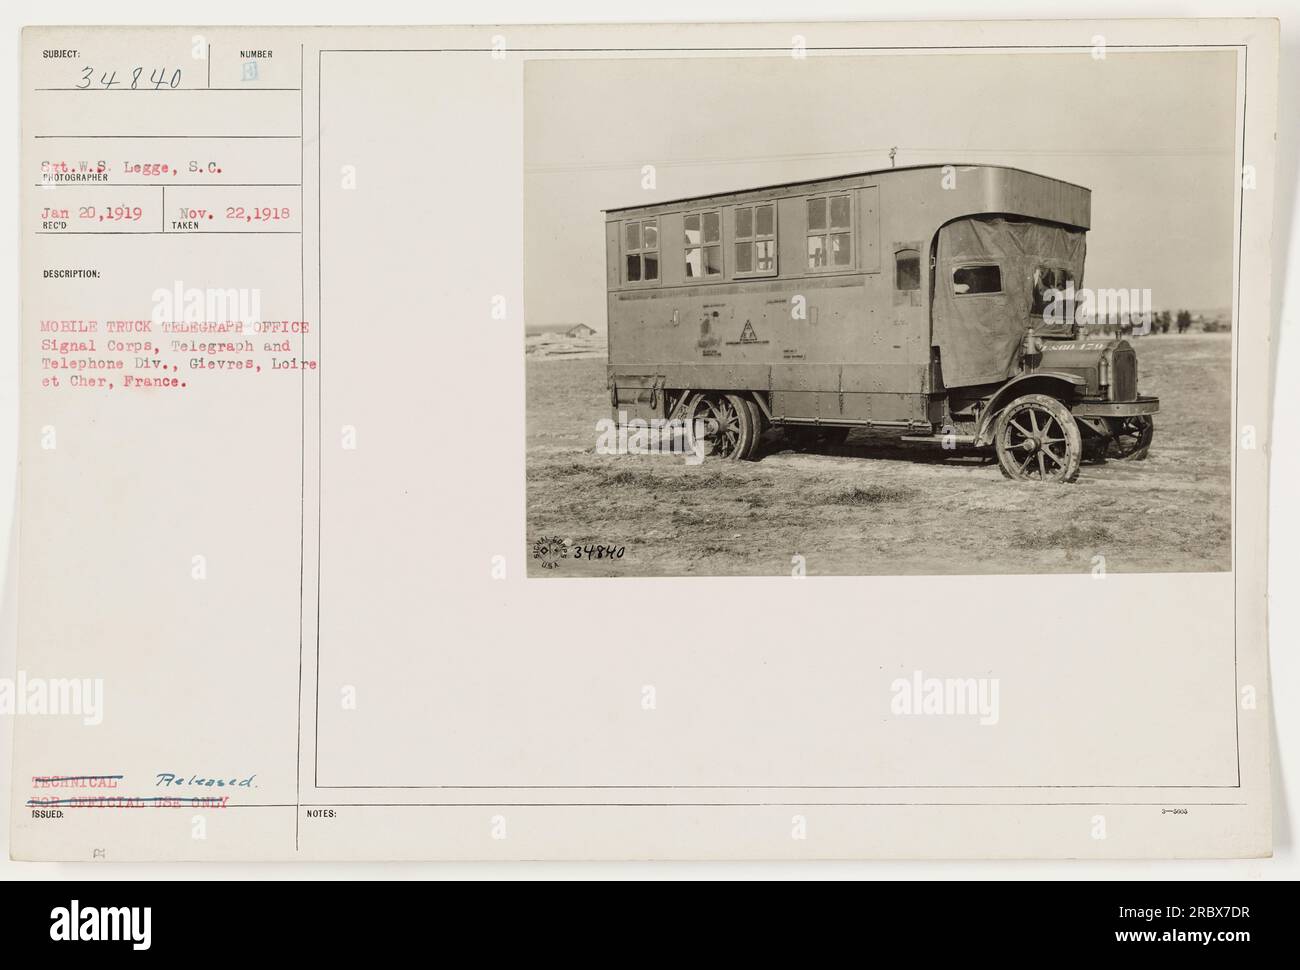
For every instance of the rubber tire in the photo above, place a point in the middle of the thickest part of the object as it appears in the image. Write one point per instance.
(748, 427)
(760, 425)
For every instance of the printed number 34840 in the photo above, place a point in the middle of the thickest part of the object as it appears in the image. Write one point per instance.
(598, 552)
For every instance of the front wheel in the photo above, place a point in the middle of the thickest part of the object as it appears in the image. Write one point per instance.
(1132, 438)
(1037, 438)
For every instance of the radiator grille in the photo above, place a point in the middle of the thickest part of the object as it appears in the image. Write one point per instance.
(1124, 378)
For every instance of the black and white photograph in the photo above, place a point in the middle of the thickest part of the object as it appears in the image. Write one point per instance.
(779, 319)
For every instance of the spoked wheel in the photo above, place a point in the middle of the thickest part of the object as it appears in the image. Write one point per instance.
(1132, 439)
(722, 426)
(1038, 438)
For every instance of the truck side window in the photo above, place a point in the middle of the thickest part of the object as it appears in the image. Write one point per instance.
(703, 244)
(756, 239)
(974, 280)
(830, 232)
(907, 270)
(641, 247)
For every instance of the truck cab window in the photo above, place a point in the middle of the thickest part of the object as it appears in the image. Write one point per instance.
(1049, 285)
(756, 239)
(975, 280)
(830, 232)
(641, 246)
(907, 270)
(703, 244)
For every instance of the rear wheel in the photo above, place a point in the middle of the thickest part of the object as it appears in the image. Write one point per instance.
(760, 425)
(722, 426)
(1037, 438)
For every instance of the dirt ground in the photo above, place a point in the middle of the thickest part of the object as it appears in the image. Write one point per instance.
(870, 508)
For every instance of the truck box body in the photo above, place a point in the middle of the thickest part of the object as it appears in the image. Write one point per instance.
(822, 297)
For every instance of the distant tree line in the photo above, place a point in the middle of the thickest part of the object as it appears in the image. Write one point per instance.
(1181, 322)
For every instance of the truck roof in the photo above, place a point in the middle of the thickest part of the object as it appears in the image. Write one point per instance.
(825, 179)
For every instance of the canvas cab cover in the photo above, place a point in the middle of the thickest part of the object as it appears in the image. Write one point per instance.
(994, 276)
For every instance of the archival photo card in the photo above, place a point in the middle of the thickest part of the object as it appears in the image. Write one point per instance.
(675, 442)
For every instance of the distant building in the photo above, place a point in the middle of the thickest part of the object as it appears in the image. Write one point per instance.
(581, 330)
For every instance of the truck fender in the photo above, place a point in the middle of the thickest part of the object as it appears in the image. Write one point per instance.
(1058, 384)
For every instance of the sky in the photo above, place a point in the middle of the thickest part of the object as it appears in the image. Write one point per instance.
(1152, 134)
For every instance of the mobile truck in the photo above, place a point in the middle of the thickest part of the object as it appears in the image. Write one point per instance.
(912, 302)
